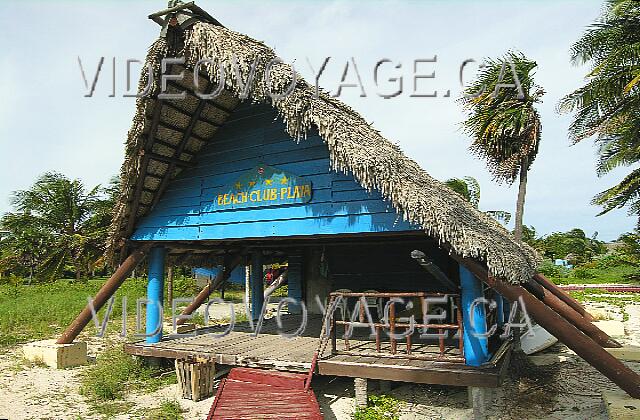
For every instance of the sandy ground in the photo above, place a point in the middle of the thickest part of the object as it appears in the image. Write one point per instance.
(568, 389)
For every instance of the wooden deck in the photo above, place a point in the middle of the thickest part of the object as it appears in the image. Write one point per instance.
(269, 349)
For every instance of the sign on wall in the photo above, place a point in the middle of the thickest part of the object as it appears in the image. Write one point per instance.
(264, 186)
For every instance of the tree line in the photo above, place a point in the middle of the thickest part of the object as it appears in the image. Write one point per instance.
(57, 228)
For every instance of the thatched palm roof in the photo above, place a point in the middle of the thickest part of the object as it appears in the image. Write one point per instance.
(166, 135)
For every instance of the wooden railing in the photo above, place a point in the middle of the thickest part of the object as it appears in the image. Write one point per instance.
(391, 322)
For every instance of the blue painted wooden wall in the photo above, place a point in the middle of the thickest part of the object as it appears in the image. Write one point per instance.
(254, 136)
(237, 276)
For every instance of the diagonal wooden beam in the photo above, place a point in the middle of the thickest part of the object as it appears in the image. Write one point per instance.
(576, 340)
(562, 329)
(169, 145)
(178, 151)
(172, 161)
(174, 127)
(185, 112)
(221, 277)
(193, 93)
(562, 295)
(106, 291)
(155, 119)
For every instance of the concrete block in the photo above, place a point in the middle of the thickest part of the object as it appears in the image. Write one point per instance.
(612, 328)
(620, 406)
(57, 356)
(628, 353)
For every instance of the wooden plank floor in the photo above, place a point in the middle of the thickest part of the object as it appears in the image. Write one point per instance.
(241, 347)
(270, 349)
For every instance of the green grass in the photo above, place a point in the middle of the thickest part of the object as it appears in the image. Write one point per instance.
(42, 311)
(619, 299)
(582, 275)
(114, 375)
(379, 407)
(168, 410)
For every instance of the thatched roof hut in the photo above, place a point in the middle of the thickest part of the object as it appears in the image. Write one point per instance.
(167, 134)
(198, 182)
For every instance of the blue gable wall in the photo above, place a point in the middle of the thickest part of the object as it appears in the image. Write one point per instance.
(251, 137)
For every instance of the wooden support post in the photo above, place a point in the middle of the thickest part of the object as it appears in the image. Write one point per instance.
(247, 283)
(257, 285)
(103, 295)
(577, 341)
(460, 326)
(360, 388)
(476, 346)
(295, 280)
(564, 331)
(155, 289)
(202, 297)
(562, 295)
(392, 326)
(499, 310)
(478, 402)
(578, 320)
(170, 285)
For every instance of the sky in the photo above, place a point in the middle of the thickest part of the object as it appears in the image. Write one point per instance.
(47, 124)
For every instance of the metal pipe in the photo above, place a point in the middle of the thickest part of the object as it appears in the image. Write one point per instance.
(103, 295)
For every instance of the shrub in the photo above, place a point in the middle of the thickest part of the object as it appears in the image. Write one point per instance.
(115, 374)
(168, 410)
(588, 265)
(549, 269)
(184, 286)
(379, 407)
(610, 261)
(583, 273)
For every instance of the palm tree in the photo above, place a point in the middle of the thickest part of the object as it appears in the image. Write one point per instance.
(56, 223)
(504, 122)
(608, 105)
(469, 188)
